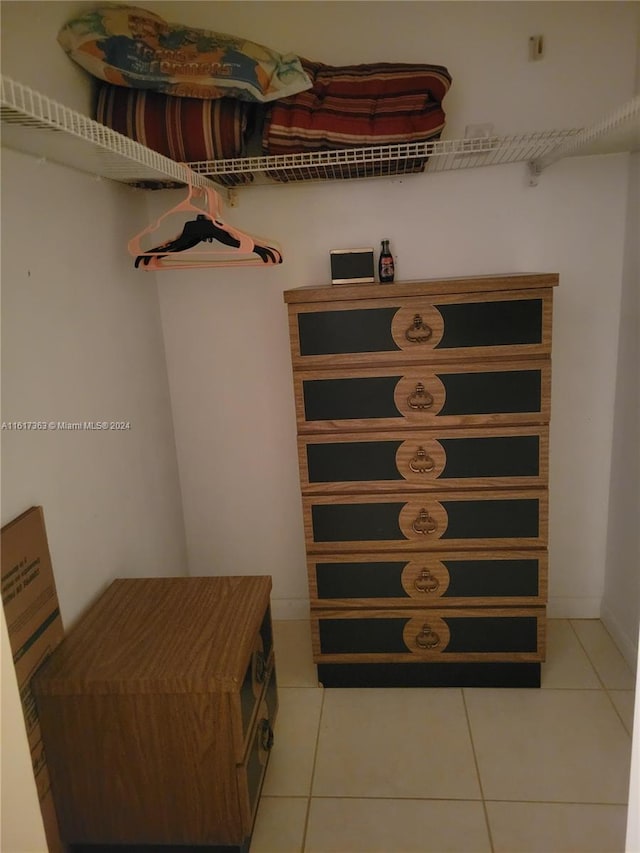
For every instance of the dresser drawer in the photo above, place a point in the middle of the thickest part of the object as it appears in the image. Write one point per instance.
(487, 634)
(487, 458)
(415, 328)
(449, 395)
(149, 707)
(251, 772)
(426, 521)
(452, 578)
(245, 702)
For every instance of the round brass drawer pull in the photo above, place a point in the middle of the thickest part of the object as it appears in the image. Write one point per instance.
(418, 332)
(260, 667)
(422, 463)
(266, 735)
(426, 582)
(427, 639)
(420, 398)
(424, 523)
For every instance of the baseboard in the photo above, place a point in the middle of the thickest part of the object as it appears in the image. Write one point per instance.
(628, 645)
(573, 608)
(284, 609)
(429, 674)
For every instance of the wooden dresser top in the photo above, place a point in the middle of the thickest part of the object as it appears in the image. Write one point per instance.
(160, 635)
(424, 287)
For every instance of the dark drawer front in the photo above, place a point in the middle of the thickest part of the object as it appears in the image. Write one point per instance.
(410, 329)
(266, 633)
(442, 580)
(428, 521)
(444, 635)
(253, 683)
(517, 392)
(251, 772)
(492, 458)
(250, 694)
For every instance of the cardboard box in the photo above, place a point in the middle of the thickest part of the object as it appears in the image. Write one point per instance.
(30, 602)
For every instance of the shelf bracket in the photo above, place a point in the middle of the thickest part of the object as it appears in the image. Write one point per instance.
(535, 170)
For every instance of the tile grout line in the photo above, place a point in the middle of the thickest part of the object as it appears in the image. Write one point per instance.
(611, 637)
(477, 766)
(615, 708)
(598, 676)
(313, 773)
(415, 799)
(588, 656)
(610, 689)
(303, 839)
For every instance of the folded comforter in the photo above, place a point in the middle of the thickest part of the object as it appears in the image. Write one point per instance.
(356, 106)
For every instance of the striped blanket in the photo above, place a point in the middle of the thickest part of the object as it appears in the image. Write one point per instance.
(355, 106)
(184, 129)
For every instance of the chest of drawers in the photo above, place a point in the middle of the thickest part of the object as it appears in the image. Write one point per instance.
(422, 412)
(157, 714)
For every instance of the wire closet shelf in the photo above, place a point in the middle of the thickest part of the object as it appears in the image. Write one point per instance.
(38, 125)
(383, 160)
(617, 132)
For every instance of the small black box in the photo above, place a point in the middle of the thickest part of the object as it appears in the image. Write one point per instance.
(351, 266)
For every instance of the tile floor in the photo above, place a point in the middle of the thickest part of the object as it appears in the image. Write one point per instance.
(415, 770)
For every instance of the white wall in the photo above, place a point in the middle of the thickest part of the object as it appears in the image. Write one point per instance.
(31, 55)
(621, 602)
(226, 331)
(81, 341)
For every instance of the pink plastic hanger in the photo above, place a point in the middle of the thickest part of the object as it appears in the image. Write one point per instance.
(205, 241)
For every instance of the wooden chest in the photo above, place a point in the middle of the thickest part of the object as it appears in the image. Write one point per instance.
(157, 713)
(422, 411)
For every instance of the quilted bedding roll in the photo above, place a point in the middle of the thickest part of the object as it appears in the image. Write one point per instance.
(185, 129)
(356, 106)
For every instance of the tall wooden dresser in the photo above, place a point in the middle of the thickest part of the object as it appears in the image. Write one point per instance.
(422, 412)
(157, 713)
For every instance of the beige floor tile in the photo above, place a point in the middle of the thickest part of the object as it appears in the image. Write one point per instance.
(296, 731)
(624, 702)
(604, 654)
(294, 660)
(556, 828)
(549, 745)
(280, 825)
(567, 664)
(396, 826)
(395, 742)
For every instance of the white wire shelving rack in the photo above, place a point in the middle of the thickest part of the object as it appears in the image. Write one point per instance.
(383, 160)
(35, 124)
(38, 125)
(619, 131)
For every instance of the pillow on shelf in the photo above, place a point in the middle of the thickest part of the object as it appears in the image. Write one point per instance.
(185, 129)
(132, 47)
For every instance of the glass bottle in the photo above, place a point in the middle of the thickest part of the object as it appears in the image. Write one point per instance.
(386, 268)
